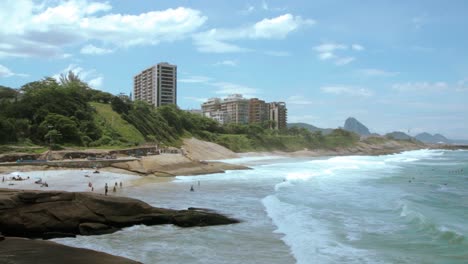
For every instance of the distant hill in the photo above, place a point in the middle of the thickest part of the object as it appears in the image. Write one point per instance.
(7, 92)
(398, 136)
(310, 127)
(433, 139)
(353, 125)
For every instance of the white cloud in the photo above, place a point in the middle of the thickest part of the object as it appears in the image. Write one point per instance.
(248, 9)
(96, 82)
(344, 61)
(326, 55)
(376, 73)
(329, 51)
(330, 47)
(226, 63)
(91, 77)
(347, 90)
(420, 86)
(28, 28)
(265, 5)
(217, 40)
(357, 47)
(91, 49)
(298, 100)
(195, 79)
(227, 88)
(462, 86)
(6, 72)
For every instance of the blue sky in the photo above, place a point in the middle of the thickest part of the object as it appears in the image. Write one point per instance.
(394, 65)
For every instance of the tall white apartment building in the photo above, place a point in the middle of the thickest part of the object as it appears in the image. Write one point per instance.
(156, 85)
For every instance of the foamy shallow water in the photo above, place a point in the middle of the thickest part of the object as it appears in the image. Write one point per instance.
(403, 208)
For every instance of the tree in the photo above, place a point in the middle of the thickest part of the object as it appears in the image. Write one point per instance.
(119, 105)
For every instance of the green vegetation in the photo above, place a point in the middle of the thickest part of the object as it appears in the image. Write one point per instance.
(293, 139)
(69, 113)
(114, 126)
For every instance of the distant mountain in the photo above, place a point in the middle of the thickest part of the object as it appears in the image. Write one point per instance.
(312, 128)
(433, 139)
(351, 124)
(398, 136)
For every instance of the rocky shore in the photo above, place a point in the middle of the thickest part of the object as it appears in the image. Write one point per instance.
(25, 251)
(194, 160)
(39, 214)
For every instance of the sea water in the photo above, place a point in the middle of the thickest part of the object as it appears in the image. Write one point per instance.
(403, 208)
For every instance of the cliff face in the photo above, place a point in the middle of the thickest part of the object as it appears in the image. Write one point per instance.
(38, 214)
(351, 124)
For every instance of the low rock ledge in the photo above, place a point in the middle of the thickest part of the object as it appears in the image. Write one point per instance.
(52, 214)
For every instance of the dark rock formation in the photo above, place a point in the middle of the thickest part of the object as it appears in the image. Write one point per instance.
(351, 124)
(38, 214)
(25, 251)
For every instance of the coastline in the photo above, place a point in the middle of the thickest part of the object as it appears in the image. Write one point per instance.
(361, 149)
(206, 158)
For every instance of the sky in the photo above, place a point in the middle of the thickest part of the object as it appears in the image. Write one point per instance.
(393, 65)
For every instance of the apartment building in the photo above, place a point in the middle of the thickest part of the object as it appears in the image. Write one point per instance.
(278, 114)
(156, 85)
(239, 110)
(236, 109)
(258, 111)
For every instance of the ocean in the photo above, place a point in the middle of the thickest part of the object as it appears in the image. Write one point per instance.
(410, 207)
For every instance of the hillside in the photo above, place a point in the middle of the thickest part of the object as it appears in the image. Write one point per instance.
(398, 136)
(432, 139)
(112, 123)
(311, 128)
(68, 113)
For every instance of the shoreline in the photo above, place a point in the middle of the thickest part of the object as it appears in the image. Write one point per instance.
(207, 158)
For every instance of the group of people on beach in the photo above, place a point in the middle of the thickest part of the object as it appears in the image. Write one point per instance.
(19, 178)
(106, 188)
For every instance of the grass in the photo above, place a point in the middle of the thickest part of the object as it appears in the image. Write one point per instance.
(22, 149)
(109, 119)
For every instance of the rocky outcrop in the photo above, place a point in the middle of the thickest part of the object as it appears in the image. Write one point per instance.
(352, 125)
(175, 165)
(38, 214)
(24, 251)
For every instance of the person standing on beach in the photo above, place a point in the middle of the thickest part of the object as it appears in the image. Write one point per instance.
(191, 188)
(115, 189)
(3, 179)
(121, 185)
(105, 189)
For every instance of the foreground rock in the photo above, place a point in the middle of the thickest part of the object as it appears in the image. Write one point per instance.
(20, 250)
(38, 214)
